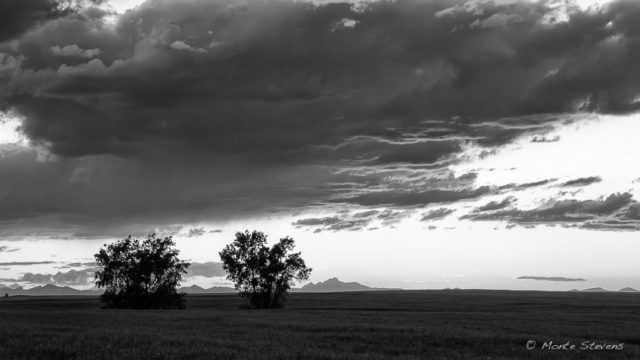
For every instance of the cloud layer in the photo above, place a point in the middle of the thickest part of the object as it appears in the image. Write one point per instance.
(617, 211)
(193, 110)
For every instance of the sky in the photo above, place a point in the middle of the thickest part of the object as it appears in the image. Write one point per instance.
(417, 144)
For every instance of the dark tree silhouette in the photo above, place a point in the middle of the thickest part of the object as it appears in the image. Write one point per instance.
(263, 274)
(141, 274)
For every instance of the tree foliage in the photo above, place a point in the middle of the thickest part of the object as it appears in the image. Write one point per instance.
(141, 274)
(261, 273)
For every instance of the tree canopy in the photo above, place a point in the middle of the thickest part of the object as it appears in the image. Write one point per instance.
(261, 273)
(141, 274)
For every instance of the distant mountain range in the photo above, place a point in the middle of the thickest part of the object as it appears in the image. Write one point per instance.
(599, 289)
(335, 285)
(53, 290)
(47, 290)
(331, 285)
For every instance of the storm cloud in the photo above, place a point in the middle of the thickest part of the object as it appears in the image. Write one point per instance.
(343, 221)
(353, 220)
(614, 212)
(436, 214)
(495, 205)
(196, 232)
(582, 181)
(199, 109)
(18, 16)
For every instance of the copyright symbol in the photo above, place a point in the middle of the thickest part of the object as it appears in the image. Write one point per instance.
(531, 345)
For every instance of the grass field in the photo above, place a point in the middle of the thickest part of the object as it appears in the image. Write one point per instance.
(463, 324)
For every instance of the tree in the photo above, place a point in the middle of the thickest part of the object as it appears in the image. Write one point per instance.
(141, 274)
(263, 274)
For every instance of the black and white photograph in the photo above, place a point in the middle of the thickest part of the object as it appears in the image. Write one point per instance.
(319, 179)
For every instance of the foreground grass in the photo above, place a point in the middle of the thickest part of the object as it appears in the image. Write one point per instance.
(366, 325)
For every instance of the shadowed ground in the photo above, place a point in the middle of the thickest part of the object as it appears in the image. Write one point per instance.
(465, 324)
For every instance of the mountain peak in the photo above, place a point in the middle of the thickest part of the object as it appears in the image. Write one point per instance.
(334, 285)
(595, 289)
(628, 289)
(48, 290)
(193, 287)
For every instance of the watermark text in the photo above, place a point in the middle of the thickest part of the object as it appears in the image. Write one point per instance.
(588, 345)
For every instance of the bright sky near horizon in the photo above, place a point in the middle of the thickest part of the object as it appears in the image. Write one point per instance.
(502, 145)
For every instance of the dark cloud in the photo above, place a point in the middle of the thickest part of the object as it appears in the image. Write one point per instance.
(323, 221)
(436, 214)
(496, 205)
(8, 249)
(632, 212)
(193, 110)
(81, 264)
(379, 151)
(551, 278)
(353, 221)
(628, 219)
(610, 225)
(586, 213)
(336, 223)
(534, 184)
(366, 214)
(35, 278)
(196, 232)
(109, 196)
(544, 139)
(524, 186)
(328, 80)
(406, 198)
(74, 277)
(391, 217)
(346, 224)
(26, 263)
(18, 16)
(582, 181)
(207, 269)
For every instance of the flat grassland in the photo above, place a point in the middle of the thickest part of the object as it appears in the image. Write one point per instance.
(457, 324)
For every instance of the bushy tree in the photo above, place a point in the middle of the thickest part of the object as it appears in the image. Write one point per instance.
(141, 274)
(261, 273)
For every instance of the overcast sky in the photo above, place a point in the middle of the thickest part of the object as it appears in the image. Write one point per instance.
(413, 144)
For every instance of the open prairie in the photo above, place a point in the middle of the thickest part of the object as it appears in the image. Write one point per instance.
(457, 324)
